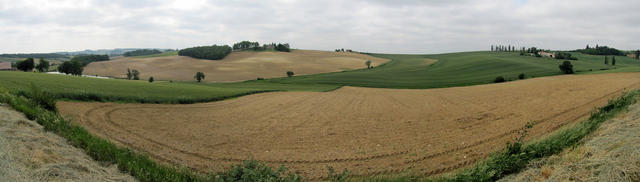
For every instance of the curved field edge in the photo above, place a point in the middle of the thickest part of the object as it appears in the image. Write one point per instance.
(517, 155)
(116, 90)
(138, 165)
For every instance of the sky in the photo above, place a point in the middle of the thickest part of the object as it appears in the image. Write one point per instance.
(383, 26)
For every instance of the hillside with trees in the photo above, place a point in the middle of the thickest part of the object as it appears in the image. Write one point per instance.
(601, 50)
(86, 59)
(141, 52)
(214, 52)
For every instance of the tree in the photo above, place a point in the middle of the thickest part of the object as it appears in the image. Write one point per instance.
(491, 48)
(43, 65)
(638, 54)
(368, 63)
(199, 76)
(566, 67)
(150, 79)
(587, 46)
(129, 74)
(521, 76)
(613, 60)
(136, 74)
(283, 48)
(290, 73)
(141, 52)
(213, 52)
(606, 60)
(26, 65)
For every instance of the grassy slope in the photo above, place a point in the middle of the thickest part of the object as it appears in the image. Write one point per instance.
(404, 71)
(80, 88)
(454, 69)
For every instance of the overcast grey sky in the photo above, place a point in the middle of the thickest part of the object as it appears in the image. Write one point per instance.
(401, 26)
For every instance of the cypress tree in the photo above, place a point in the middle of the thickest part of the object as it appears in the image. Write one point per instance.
(606, 60)
(613, 61)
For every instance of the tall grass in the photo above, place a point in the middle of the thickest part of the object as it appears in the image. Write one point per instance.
(138, 165)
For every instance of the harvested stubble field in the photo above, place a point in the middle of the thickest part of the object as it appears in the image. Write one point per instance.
(368, 131)
(237, 66)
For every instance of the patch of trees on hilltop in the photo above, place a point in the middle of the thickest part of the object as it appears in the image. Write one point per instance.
(255, 46)
(84, 60)
(601, 50)
(213, 52)
(141, 52)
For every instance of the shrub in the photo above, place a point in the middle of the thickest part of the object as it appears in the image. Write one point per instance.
(213, 52)
(136, 74)
(499, 79)
(150, 79)
(290, 73)
(521, 76)
(260, 78)
(40, 98)
(566, 67)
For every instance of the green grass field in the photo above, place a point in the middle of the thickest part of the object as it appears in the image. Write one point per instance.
(455, 69)
(95, 89)
(404, 71)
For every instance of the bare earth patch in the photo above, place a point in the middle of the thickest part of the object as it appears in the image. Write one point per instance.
(368, 131)
(28, 153)
(238, 66)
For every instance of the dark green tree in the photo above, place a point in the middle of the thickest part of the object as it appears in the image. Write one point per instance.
(150, 79)
(499, 79)
(613, 61)
(638, 54)
(283, 48)
(606, 60)
(213, 52)
(290, 73)
(566, 67)
(199, 76)
(43, 65)
(368, 63)
(26, 65)
(521, 76)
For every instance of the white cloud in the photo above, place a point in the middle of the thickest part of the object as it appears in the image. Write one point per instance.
(404, 26)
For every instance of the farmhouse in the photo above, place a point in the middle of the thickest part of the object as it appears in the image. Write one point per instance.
(547, 54)
(5, 66)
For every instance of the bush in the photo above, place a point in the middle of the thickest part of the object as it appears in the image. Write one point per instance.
(150, 79)
(199, 76)
(141, 52)
(260, 78)
(499, 79)
(41, 98)
(213, 52)
(290, 73)
(564, 55)
(521, 76)
(566, 67)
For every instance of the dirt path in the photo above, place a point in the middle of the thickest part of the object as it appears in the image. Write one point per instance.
(610, 154)
(28, 153)
(368, 131)
(238, 66)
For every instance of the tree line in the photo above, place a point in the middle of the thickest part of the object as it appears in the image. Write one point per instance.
(35, 55)
(141, 52)
(248, 45)
(600, 50)
(84, 60)
(505, 48)
(29, 63)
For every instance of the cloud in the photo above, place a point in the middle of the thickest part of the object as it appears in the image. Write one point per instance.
(404, 26)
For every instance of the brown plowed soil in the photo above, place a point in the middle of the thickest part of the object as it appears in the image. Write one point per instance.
(368, 131)
(237, 66)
